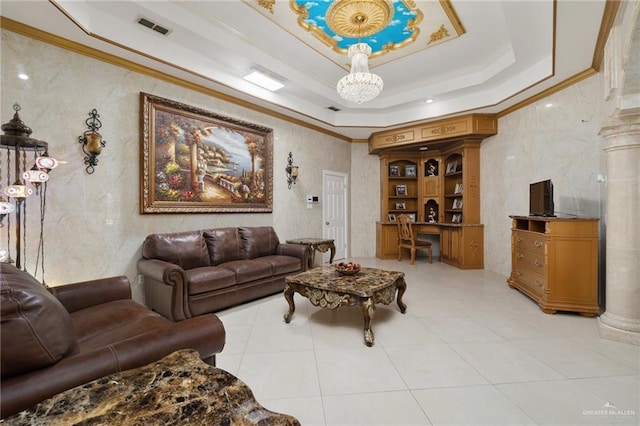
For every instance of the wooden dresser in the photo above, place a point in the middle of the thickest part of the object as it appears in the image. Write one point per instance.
(555, 262)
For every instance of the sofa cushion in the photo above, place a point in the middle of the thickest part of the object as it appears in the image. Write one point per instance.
(210, 278)
(36, 329)
(224, 245)
(282, 264)
(259, 241)
(98, 320)
(185, 249)
(248, 270)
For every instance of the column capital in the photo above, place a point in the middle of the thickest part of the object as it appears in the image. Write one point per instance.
(621, 132)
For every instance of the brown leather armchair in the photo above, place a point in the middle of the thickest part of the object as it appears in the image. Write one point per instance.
(55, 339)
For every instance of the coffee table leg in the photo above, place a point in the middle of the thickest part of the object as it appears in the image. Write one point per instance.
(288, 295)
(368, 309)
(401, 285)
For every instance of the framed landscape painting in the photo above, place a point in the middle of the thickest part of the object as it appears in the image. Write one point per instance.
(196, 161)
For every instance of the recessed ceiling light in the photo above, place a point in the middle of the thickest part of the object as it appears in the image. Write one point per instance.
(549, 105)
(424, 148)
(263, 80)
(23, 76)
(429, 101)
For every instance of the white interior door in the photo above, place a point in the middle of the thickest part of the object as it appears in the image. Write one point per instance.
(334, 212)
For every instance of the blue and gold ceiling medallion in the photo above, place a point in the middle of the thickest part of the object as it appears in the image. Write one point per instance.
(384, 25)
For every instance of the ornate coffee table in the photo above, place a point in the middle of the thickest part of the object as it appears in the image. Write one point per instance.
(326, 288)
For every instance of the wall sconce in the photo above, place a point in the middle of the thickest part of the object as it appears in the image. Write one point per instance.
(292, 171)
(91, 141)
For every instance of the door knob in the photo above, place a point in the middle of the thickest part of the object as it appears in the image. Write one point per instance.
(326, 223)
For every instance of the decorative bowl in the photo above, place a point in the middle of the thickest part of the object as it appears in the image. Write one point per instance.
(349, 268)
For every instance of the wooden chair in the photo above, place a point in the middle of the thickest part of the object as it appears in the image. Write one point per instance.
(406, 239)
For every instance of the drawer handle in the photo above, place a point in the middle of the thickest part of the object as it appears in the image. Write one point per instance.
(538, 243)
(519, 273)
(519, 256)
(519, 239)
(538, 263)
(539, 284)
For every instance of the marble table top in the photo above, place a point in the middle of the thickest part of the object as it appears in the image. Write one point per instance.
(364, 284)
(309, 241)
(179, 389)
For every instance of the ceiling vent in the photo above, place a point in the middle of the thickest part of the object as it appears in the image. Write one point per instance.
(152, 25)
(332, 108)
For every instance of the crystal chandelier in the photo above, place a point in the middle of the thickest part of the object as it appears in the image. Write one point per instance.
(359, 85)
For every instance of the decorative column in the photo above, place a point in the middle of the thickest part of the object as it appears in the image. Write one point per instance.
(621, 319)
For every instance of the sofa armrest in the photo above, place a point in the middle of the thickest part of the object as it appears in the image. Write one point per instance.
(301, 251)
(204, 333)
(82, 295)
(165, 288)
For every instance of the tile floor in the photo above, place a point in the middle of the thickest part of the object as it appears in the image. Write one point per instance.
(469, 351)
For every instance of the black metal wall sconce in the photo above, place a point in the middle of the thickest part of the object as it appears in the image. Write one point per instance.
(292, 171)
(91, 141)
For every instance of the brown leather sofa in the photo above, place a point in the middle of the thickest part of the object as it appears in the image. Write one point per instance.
(58, 338)
(191, 273)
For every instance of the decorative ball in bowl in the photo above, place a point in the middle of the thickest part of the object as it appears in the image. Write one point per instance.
(347, 268)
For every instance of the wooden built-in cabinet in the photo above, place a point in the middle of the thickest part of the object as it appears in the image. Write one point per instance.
(444, 194)
(462, 246)
(555, 262)
(441, 191)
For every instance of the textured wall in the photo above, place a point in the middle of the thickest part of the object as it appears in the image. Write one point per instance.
(93, 228)
(558, 142)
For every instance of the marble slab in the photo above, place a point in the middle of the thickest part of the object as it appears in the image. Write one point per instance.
(179, 389)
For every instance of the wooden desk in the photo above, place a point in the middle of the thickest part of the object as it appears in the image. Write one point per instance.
(461, 245)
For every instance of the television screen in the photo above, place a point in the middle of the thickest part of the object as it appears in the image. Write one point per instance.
(541, 198)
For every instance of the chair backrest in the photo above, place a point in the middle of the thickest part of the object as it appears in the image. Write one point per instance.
(405, 231)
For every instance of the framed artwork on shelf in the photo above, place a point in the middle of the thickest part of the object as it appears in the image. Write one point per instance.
(391, 217)
(394, 170)
(456, 218)
(452, 167)
(431, 168)
(412, 217)
(400, 206)
(197, 161)
(401, 190)
(458, 189)
(457, 203)
(410, 171)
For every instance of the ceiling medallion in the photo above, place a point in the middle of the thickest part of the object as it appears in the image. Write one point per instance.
(397, 23)
(359, 18)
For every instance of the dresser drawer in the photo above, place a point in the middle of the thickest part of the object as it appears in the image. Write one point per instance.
(531, 261)
(531, 279)
(531, 242)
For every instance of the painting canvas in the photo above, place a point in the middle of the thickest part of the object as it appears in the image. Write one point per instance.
(196, 161)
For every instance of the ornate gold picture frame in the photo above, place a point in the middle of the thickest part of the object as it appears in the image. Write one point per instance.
(196, 161)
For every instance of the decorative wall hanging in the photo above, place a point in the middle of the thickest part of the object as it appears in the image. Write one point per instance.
(196, 161)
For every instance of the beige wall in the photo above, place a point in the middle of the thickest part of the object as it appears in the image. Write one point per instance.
(93, 226)
(558, 142)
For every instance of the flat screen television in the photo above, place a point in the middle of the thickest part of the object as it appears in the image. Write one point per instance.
(541, 198)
